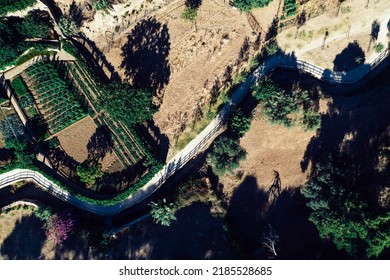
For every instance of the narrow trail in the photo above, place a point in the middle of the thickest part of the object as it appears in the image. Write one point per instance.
(204, 138)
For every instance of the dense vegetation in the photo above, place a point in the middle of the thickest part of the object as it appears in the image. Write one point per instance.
(128, 104)
(247, 5)
(226, 155)
(289, 108)
(342, 213)
(89, 172)
(14, 5)
(163, 212)
(57, 103)
(289, 8)
(15, 31)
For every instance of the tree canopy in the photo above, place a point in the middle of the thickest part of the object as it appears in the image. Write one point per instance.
(247, 5)
(163, 212)
(89, 172)
(225, 155)
(14, 5)
(128, 104)
(344, 215)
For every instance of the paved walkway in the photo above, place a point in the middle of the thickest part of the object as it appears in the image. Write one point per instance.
(205, 137)
(193, 148)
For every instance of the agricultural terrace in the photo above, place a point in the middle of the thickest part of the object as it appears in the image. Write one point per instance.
(55, 101)
(72, 116)
(66, 109)
(24, 37)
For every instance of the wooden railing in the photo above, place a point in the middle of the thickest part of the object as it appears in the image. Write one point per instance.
(201, 141)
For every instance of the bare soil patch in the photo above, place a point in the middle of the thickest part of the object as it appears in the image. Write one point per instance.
(75, 138)
(353, 22)
(21, 235)
(275, 148)
(198, 54)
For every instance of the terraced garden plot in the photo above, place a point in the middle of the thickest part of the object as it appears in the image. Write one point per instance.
(128, 146)
(125, 146)
(55, 101)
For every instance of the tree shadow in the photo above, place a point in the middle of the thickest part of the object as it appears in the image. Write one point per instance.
(352, 123)
(114, 183)
(76, 14)
(375, 28)
(272, 29)
(159, 142)
(5, 156)
(351, 57)
(145, 55)
(298, 237)
(195, 4)
(26, 240)
(246, 214)
(194, 235)
(100, 144)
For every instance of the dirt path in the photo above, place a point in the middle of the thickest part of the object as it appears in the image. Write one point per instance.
(353, 23)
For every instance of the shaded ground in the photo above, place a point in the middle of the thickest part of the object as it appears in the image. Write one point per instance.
(21, 235)
(83, 140)
(194, 235)
(330, 33)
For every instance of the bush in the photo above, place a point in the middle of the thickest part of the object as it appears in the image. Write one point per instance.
(101, 4)
(68, 26)
(226, 155)
(19, 87)
(37, 24)
(14, 5)
(240, 123)
(163, 212)
(247, 5)
(379, 47)
(189, 14)
(89, 172)
(43, 213)
(289, 108)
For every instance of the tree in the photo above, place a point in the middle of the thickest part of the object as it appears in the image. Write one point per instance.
(36, 24)
(240, 123)
(269, 240)
(226, 155)
(189, 14)
(341, 214)
(43, 213)
(68, 26)
(22, 156)
(58, 226)
(247, 5)
(89, 172)
(128, 104)
(163, 212)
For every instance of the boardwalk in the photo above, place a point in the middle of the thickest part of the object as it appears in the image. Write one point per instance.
(202, 140)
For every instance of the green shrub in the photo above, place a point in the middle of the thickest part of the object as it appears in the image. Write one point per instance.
(163, 212)
(379, 47)
(43, 213)
(289, 108)
(19, 87)
(189, 14)
(240, 123)
(14, 5)
(89, 172)
(226, 155)
(247, 5)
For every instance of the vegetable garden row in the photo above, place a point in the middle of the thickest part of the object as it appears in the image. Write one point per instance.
(289, 9)
(56, 102)
(128, 146)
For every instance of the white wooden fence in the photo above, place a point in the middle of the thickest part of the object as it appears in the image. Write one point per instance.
(197, 144)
